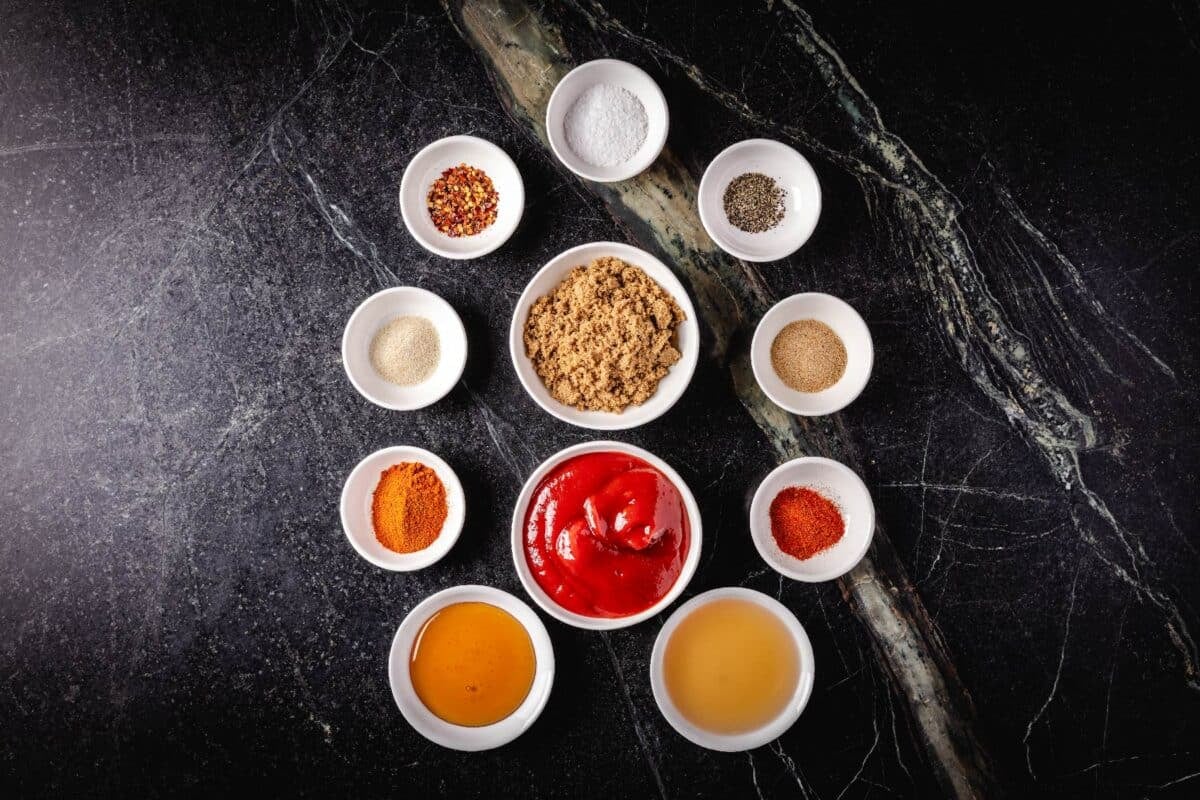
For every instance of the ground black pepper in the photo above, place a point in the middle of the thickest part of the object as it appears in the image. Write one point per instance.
(753, 202)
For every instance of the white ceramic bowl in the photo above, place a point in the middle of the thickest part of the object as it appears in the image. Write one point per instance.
(850, 328)
(691, 558)
(377, 311)
(428, 165)
(356, 509)
(836, 482)
(460, 737)
(614, 73)
(802, 201)
(731, 743)
(670, 388)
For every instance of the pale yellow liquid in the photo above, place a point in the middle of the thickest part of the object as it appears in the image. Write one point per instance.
(731, 666)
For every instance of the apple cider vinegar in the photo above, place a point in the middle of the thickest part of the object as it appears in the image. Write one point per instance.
(731, 666)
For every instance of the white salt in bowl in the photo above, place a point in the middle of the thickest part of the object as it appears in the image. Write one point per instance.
(845, 322)
(837, 483)
(359, 491)
(670, 388)
(372, 315)
(615, 73)
(802, 200)
(427, 166)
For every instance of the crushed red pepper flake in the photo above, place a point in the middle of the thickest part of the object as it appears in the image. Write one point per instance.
(463, 201)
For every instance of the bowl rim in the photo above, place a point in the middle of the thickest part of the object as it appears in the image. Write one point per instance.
(627, 419)
(635, 166)
(456, 327)
(517, 539)
(461, 737)
(732, 743)
(756, 534)
(447, 538)
(759, 352)
(710, 226)
(407, 185)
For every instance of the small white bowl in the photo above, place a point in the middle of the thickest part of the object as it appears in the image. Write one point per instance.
(691, 558)
(802, 202)
(615, 73)
(359, 490)
(377, 311)
(427, 166)
(732, 743)
(670, 388)
(461, 737)
(850, 328)
(837, 483)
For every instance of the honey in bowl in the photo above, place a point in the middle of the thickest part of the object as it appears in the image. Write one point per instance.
(472, 664)
(731, 666)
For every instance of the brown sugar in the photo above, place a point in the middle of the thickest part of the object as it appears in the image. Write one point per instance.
(604, 337)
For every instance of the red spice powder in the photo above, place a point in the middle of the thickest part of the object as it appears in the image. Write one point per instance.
(804, 523)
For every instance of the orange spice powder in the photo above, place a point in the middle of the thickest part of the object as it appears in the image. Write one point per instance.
(408, 508)
(804, 522)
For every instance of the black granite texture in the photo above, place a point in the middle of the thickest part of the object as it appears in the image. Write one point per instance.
(193, 199)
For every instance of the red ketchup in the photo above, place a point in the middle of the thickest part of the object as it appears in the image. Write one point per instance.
(606, 534)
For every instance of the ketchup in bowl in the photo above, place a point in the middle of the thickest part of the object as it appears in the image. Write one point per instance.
(606, 534)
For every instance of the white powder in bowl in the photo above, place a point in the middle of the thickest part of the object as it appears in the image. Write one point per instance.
(606, 125)
(406, 350)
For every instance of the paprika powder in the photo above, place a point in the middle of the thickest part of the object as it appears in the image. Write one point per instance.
(804, 522)
(408, 508)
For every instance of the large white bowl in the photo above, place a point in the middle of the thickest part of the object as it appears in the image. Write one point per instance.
(377, 311)
(670, 389)
(731, 743)
(846, 323)
(691, 558)
(837, 483)
(615, 73)
(427, 166)
(460, 737)
(359, 490)
(802, 201)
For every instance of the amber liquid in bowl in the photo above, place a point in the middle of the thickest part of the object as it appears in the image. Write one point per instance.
(731, 666)
(472, 664)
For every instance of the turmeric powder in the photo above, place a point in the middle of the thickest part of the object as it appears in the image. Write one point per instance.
(408, 508)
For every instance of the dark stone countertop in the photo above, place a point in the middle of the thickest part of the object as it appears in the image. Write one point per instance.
(193, 199)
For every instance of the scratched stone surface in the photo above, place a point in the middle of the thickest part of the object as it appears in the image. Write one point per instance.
(193, 200)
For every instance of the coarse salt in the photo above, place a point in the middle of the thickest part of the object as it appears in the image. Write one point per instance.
(606, 125)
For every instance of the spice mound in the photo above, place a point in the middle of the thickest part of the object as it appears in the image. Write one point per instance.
(463, 201)
(408, 508)
(804, 522)
(808, 356)
(606, 125)
(406, 350)
(753, 202)
(604, 337)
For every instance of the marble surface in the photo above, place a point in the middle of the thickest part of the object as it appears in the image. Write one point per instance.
(192, 202)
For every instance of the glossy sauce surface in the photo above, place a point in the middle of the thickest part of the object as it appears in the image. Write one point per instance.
(731, 666)
(472, 664)
(606, 534)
